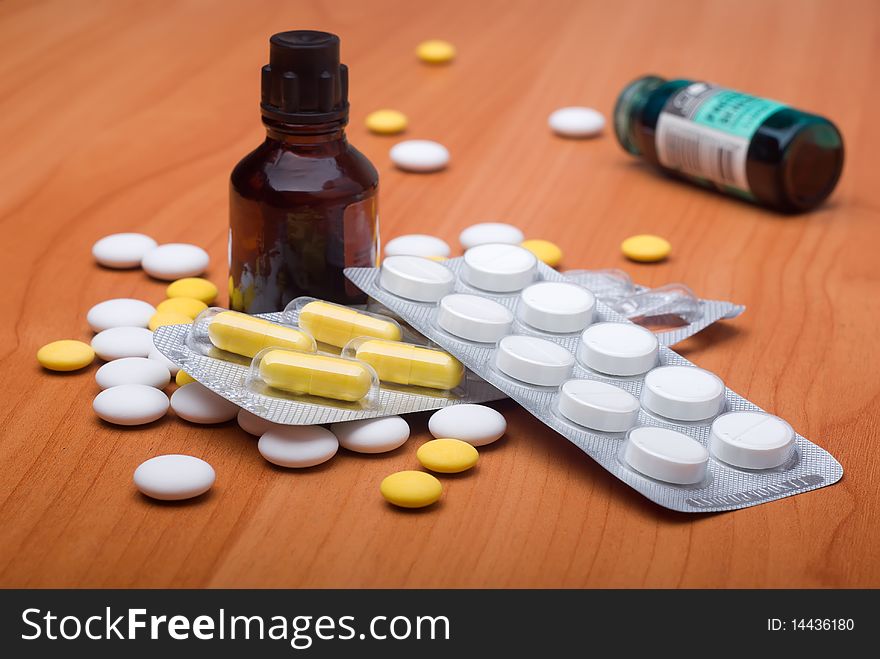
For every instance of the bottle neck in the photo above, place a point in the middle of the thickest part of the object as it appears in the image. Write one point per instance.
(304, 134)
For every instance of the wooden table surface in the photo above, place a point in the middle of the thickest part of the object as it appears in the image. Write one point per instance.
(128, 116)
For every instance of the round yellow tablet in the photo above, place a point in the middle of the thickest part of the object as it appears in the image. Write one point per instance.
(65, 355)
(435, 51)
(645, 248)
(162, 318)
(447, 456)
(194, 287)
(386, 122)
(187, 306)
(411, 489)
(548, 252)
(183, 378)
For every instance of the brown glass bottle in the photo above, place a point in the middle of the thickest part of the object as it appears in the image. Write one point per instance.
(303, 204)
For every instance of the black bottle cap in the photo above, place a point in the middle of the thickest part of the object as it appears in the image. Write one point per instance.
(304, 83)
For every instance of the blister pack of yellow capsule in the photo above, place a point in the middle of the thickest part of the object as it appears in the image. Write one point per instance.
(319, 362)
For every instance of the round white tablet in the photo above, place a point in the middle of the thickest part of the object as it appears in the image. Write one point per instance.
(156, 355)
(419, 156)
(130, 404)
(174, 477)
(555, 306)
(534, 360)
(253, 424)
(474, 318)
(175, 261)
(598, 405)
(416, 278)
(751, 440)
(119, 342)
(119, 312)
(666, 455)
(417, 244)
(490, 232)
(372, 435)
(684, 393)
(618, 348)
(576, 122)
(132, 370)
(477, 425)
(498, 267)
(122, 250)
(298, 446)
(196, 403)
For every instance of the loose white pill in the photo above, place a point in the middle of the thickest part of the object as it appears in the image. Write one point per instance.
(618, 348)
(666, 455)
(196, 403)
(684, 393)
(474, 318)
(417, 244)
(751, 440)
(555, 306)
(298, 446)
(119, 342)
(133, 370)
(122, 250)
(490, 232)
(156, 355)
(498, 267)
(419, 155)
(253, 424)
(598, 405)
(372, 435)
(119, 312)
(174, 477)
(576, 122)
(416, 278)
(130, 404)
(534, 360)
(175, 261)
(477, 425)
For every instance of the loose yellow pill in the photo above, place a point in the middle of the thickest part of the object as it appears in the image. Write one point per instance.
(65, 355)
(162, 318)
(337, 325)
(402, 363)
(183, 378)
(184, 305)
(447, 456)
(246, 335)
(315, 375)
(386, 122)
(194, 287)
(645, 248)
(548, 252)
(411, 489)
(435, 51)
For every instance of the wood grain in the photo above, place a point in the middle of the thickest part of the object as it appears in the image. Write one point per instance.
(122, 116)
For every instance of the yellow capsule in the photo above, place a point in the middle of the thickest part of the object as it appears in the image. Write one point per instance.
(435, 51)
(403, 363)
(246, 335)
(162, 318)
(65, 355)
(194, 287)
(307, 373)
(187, 306)
(645, 248)
(548, 252)
(447, 456)
(183, 378)
(411, 489)
(337, 325)
(386, 122)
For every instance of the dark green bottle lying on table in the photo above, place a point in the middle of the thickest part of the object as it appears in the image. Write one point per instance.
(741, 145)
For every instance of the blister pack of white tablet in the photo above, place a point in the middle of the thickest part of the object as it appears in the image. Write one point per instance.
(667, 428)
(318, 363)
